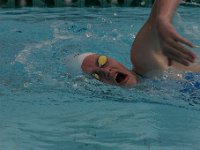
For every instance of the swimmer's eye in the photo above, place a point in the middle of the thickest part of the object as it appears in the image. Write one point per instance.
(102, 60)
(96, 76)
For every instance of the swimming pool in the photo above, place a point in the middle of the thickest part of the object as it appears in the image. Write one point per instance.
(43, 107)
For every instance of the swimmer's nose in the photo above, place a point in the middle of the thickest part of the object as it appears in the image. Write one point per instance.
(109, 72)
(106, 69)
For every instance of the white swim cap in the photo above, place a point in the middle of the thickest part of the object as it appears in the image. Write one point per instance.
(73, 63)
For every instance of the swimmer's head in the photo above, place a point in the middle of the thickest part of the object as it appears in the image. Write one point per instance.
(107, 70)
(74, 62)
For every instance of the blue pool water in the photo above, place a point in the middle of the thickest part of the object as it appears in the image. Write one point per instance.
(43, 107)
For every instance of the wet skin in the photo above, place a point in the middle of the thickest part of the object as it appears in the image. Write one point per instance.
(112, 72)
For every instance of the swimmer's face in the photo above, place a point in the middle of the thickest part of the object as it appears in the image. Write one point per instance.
(108, 70)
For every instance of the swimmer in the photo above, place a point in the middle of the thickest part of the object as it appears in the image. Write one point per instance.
(156, 47)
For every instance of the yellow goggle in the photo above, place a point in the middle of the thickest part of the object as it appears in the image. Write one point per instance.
(102, 60)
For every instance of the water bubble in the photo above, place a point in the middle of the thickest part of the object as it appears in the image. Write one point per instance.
(89, 26)
(115, 14)
(26, 84)
(114, 30)
(103, 19)
(132, 36)
(88, 34)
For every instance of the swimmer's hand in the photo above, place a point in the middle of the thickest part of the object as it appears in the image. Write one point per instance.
(171, 44)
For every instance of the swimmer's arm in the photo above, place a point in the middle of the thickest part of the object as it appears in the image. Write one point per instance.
(157, 41)
(146, 55)
(164, 9)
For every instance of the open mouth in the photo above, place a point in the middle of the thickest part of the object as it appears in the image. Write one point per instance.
(120, 77)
